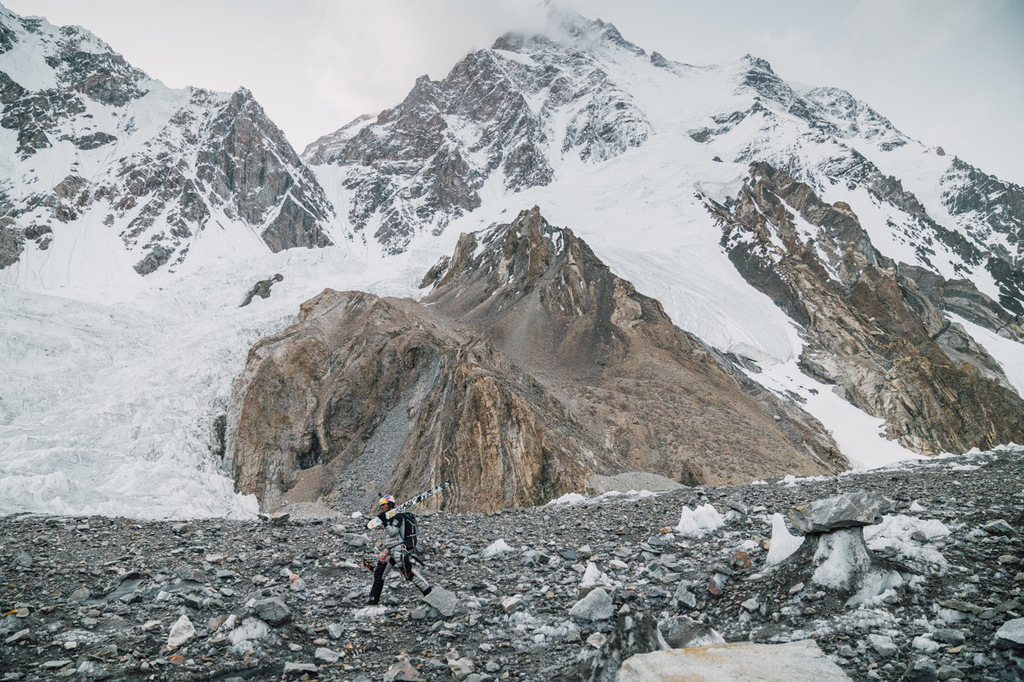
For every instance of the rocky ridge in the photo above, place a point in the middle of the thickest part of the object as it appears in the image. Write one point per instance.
(527, 369)
(615, 359)
(566, 591)
(423, 163)
(153, 165)
(846, 144)
(876, 329)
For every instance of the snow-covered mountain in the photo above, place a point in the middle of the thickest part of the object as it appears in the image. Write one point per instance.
(653, 163)
(542, 111)
(108, 175)
(635, 153)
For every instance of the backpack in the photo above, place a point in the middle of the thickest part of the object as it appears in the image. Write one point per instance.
(408, 531)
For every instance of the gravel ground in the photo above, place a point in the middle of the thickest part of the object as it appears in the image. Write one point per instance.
(100, 598)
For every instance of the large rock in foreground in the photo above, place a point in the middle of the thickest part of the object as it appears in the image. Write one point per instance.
(800, 661)
(840, 511)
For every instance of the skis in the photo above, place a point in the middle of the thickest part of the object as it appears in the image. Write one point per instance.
(375, 521)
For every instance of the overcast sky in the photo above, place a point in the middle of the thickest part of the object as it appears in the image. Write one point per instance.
(947, 72)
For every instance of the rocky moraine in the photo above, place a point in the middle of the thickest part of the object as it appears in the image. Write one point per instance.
(563, 591)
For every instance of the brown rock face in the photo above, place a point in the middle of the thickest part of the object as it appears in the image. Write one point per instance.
(876, 330)
(530, 368)
(648, 391)
(365, 394)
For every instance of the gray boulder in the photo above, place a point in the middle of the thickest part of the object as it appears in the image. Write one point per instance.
(921, 670)
(842, 511)
(443, 600)
(800, 661)
(634, 633)
(683, 632)
(883, 645)
(1011, 634)
(273, 611)
(300, 668)
(597, 605)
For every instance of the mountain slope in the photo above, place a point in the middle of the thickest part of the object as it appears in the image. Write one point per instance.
(540, 111)
(653, 394)
(633, 151)
(107, 171)
(872, 331)
(527, 369)
(106, 174)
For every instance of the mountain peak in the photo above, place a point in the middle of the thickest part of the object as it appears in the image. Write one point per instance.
(757, 63)
(567, 27)
(162, 168)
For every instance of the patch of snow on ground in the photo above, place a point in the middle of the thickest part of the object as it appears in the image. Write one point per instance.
(246, 636)
(699, 521)
(895, 533)
(369, 612)
(791, 481)
(568, 498)
(497, 547)
(858, 621)
(859, 435)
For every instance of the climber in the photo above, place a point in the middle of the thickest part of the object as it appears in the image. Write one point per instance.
(399, 543)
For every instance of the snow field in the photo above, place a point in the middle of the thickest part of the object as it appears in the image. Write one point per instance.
(109, 409)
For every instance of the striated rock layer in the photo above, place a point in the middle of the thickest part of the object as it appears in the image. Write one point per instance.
(529, 368)
(375, 390)
(876, 329)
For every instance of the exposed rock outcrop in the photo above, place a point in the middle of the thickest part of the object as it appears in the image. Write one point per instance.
(261, 289)
(648, 390)
(530, 368)
(873, 331)
(376, 392)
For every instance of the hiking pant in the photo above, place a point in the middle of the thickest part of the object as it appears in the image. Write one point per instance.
(398, 556)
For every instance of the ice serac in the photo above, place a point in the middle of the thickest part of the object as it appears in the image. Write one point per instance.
(876, 329)
(104, 149)
(507, 113)
(642, 387)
